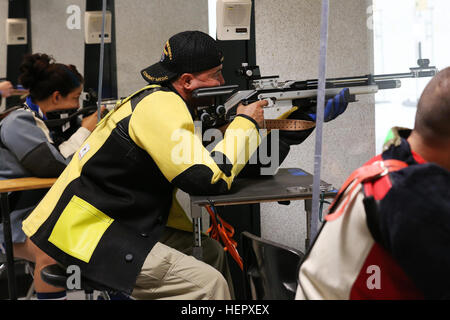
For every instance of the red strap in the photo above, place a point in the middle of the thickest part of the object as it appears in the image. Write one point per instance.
(418, 158)
(366, 173)
(224, 231)
(378, 189)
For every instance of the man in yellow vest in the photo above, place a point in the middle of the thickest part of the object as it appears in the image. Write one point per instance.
(108, 209)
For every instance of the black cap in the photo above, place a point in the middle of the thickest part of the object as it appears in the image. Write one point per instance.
(185, 52)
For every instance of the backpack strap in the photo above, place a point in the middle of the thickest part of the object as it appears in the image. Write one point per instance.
(367, 173)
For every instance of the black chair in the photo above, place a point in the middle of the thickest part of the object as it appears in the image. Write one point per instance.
(270, 269)
(57, 276)
(28, 268)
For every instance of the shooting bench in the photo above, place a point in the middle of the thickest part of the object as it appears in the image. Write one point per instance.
(288, 184)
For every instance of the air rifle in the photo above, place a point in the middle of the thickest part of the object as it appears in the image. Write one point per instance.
(289, 93)
(63, 123)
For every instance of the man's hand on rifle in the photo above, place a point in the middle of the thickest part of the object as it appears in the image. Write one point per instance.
(335, 106)
(254, 110)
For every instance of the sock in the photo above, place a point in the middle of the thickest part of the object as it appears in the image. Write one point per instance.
(61, 295)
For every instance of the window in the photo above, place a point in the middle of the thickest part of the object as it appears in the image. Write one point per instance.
(404, 31)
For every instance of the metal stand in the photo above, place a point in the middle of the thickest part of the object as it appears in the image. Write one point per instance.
(196, 212)
(308, 209)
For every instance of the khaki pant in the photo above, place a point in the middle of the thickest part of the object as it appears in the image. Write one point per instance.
(169, 274)
(213, 253)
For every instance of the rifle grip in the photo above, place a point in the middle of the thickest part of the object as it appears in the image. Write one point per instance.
(246, 102)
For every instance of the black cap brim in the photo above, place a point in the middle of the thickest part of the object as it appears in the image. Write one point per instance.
(157, 73)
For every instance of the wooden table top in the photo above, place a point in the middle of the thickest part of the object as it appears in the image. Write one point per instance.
(21, 184)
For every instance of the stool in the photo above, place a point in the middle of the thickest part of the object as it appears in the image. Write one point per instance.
(56, 276)
(7, 186)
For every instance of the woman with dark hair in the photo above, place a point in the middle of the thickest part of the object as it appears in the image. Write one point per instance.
(27, 147)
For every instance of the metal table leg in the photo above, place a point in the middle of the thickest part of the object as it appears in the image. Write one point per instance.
(8, 246)
(196, 212)
(308, 209)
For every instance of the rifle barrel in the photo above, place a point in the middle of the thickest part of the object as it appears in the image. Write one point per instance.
(393, 79)
(302, 94)
(393, 76)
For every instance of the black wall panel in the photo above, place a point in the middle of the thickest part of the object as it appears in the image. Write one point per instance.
(92, 57)
(15, 53)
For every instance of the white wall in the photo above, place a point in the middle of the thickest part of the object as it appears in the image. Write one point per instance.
(287, 44)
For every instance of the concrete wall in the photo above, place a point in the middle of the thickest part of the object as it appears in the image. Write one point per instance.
(143, 27)
(50, 34)
(287, 44)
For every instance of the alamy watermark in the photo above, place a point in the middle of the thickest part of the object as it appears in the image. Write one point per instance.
(370, 13)
(73, 21)
(373, 282)
(239, 146)
(73, 281)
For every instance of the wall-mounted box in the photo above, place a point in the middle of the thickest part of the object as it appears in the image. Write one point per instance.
(233, 19)
(93, 27)
(16, 31)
